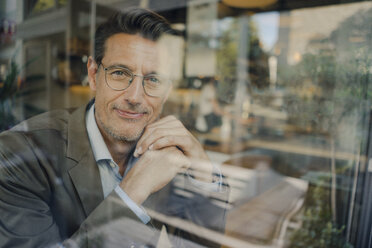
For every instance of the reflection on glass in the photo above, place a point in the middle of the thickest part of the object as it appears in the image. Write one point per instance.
(296, 135)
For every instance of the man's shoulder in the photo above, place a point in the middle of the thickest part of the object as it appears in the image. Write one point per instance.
(49, 124)
(55, 119)
(47, 132)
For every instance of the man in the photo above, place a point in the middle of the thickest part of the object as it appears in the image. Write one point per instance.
(79, 177)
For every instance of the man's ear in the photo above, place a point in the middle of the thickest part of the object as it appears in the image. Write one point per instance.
(92, 68)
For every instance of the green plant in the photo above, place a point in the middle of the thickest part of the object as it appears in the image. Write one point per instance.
(8, 89)
(318, 230)
(10, 85)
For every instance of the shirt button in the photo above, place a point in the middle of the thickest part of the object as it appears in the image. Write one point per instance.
(112, 164)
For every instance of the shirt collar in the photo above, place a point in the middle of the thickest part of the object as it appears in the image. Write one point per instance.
(99, 147)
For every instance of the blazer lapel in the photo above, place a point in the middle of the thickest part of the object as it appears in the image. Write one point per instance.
(85, 174)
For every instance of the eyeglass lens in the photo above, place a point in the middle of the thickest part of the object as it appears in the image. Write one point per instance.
(120, 79)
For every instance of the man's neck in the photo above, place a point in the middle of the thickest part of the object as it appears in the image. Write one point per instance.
(119, 150)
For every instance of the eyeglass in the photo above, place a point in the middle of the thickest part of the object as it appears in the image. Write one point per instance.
(120, 78)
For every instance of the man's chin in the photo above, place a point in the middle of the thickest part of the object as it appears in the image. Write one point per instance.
(126, 131)
(124, 136)
(129, 137)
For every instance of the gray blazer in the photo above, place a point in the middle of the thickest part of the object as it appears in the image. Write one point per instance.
(51, 192)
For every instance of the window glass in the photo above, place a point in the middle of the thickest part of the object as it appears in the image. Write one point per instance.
(287, 111)
(278, 93)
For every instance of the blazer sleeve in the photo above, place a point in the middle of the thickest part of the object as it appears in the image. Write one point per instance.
(112, 224)
(27, 218)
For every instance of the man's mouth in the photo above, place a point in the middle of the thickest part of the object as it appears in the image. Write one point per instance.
(128, 114)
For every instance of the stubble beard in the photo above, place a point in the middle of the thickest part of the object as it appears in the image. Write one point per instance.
(129, 138)
(115, 134)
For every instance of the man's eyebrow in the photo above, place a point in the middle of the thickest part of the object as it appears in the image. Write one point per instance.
(121, 66)
(153, 73)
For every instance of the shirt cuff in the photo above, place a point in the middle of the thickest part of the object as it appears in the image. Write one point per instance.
(215, 185)
(138, 210)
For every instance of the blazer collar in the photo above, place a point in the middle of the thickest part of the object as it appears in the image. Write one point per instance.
(85, 174)
(77, 135)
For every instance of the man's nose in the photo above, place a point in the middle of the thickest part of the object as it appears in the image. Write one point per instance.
(135, 92)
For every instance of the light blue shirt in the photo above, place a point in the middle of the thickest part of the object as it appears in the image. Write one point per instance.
(109, 170)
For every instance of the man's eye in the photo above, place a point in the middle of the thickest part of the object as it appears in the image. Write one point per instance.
(117, 73)
(120, 73)
(154, 80)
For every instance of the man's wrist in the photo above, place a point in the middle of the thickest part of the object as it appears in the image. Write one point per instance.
(136, 208)
(136, 195)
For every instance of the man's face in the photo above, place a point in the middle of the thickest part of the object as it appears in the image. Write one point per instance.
(123, 115)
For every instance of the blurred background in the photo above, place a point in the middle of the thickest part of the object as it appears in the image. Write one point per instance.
(278, 91)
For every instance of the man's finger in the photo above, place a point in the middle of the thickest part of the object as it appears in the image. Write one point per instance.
(167, 141)
(148, 138)
(168, 118)
(167, 122)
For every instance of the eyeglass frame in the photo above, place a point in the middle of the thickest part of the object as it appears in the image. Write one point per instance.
(168, 81)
